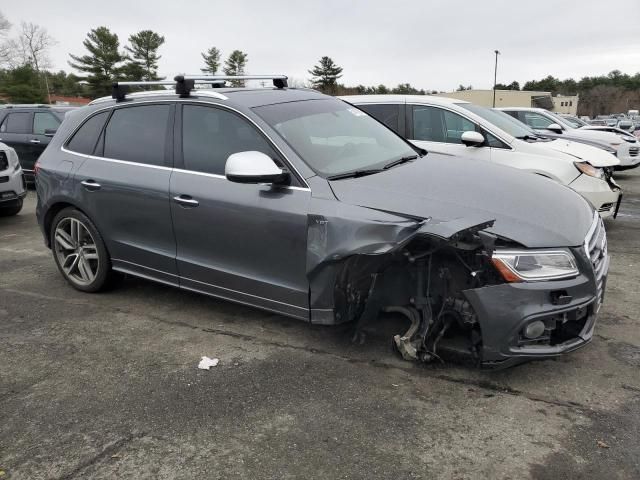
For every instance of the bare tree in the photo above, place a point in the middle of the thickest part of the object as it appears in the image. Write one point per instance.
(33, 45)
(5, 47)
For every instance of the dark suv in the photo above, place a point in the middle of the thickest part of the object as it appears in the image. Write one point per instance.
(28, 129)
(301, 204)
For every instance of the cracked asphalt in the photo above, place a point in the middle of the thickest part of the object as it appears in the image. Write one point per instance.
(106, 386)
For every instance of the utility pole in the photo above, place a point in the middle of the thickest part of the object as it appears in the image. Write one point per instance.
(495, 78)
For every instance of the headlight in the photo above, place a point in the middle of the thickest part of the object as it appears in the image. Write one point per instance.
(588, 169)
(525, 265)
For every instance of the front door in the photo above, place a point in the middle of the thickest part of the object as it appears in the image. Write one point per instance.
(124, 189)
(243, 242)
(37, 139)
(440, 130)
(14, 129)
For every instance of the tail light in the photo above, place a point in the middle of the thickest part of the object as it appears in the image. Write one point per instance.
(36, 168)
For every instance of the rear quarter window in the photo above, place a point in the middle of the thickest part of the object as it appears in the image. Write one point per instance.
(86, 137)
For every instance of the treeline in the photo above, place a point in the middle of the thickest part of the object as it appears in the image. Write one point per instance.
(615, 92)
(26, 76)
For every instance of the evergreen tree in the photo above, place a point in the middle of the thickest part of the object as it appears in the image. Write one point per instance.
(142, 56)
(234, 65)
(102, 64)
(211, 61)
(326, 75)
(21, 85)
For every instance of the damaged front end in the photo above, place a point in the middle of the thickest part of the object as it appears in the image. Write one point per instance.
(363, 262)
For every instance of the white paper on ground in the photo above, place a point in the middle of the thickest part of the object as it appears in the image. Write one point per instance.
(206, 363)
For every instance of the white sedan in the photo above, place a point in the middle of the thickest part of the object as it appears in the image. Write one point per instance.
(455, 127)
(626, 145)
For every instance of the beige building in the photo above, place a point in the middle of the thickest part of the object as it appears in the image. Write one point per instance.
(569, 104)
(517, 98)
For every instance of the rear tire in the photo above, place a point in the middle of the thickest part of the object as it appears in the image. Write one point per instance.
(79, 251)
(12, 209)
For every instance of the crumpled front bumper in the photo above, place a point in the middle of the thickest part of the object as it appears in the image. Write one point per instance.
(602, 194)
(504, 310)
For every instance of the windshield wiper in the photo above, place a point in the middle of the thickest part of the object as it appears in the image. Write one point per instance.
(355, 174)
(529, 137)
(399, 161)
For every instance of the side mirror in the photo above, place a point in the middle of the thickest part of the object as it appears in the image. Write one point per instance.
(472, 139)
(50, 132)
(555, 128)
(254, 167)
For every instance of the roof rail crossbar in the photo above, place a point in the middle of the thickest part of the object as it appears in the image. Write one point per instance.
(279, 81)
(185, 83)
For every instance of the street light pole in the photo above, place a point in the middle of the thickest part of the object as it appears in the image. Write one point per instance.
(495, 78)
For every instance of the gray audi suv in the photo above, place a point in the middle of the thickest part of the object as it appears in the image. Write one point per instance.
(299, 203)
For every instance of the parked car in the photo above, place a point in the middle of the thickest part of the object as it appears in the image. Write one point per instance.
(301, 204)
(455, 127)
(627, 147)
(573, 120)
(626, 125)
(13, 188)
(28, 129)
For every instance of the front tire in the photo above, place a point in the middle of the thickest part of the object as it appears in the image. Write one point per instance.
(80, 252)
(11, 209)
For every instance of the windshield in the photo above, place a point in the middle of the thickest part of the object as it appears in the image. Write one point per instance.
(333, 137)
(574, 121)
(562, 121)
(501, 120)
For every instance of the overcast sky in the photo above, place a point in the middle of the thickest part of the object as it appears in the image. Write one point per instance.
(434, 44)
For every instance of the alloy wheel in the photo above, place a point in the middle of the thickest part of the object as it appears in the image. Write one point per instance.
(76, 251)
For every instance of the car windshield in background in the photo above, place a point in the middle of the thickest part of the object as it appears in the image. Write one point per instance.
(501, 120)
(574, 121)
(333, 137)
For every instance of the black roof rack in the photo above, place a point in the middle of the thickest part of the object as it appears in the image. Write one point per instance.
(184, 84)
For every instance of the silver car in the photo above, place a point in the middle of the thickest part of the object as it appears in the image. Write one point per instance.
(13, 187)
(301, 204)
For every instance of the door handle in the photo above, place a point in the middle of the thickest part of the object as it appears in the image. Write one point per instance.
(91, 185)
(34, 140)
(186, 201)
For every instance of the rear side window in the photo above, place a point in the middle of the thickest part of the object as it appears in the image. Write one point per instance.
(85, 139)
(18, 122)
(387, 114)
(138, 134)
(44, 121)
(210, 135)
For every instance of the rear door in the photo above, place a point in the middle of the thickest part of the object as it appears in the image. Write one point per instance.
(440, 130)
(14, 130)
(244, 242)
(124, 188)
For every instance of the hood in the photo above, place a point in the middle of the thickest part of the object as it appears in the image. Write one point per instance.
(595, 156)
(529, 209)
(595, 134)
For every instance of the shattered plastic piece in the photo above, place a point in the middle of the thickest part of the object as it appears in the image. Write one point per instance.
(206, 363)
(601, 444)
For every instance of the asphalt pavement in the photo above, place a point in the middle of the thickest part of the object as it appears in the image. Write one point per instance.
(107, 386)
